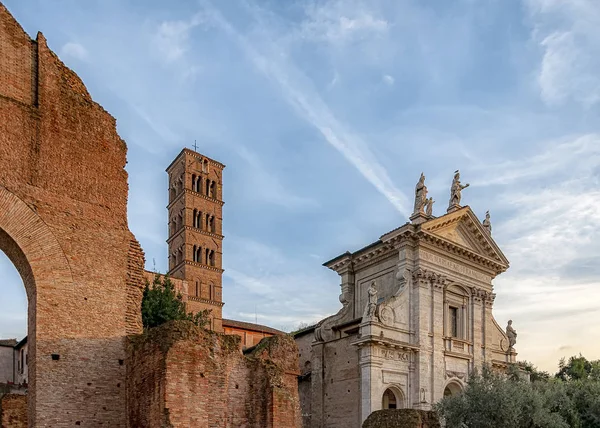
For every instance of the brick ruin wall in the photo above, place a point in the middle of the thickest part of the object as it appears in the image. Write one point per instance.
(13, 411)
(180, 375)
(63, 223)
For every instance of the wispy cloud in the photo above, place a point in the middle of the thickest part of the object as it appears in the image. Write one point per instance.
(299, 92)
(569, 35)
(339, 22)
(172, 37)
(74, 50)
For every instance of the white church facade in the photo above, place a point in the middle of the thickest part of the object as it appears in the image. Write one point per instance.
(416, 318)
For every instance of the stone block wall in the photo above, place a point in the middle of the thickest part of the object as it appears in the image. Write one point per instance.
(13, 411)
(180, 375)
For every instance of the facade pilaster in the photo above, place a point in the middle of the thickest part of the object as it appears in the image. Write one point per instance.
(423, 326)
(438, 283)
(370, 372)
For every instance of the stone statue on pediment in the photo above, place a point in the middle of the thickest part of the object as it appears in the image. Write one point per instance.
(487, 224)
(456, 190)
(420, 196)
(511, 333)
(429, 207)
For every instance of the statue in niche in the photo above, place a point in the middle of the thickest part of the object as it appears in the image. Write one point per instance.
(420, 196)
(456, 189)
(372, 301)
(487, 224)
(511, 333)
(429, 207)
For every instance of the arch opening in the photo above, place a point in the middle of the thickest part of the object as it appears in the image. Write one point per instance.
(14, 317)
(392, 399)
(453, 388)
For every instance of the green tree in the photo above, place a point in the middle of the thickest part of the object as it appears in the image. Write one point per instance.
(493, 400)
(535, 375)
(578, 368)
(162, 303)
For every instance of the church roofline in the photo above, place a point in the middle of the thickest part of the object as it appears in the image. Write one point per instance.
(195, 154)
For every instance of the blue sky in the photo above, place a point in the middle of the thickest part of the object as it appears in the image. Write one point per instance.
(325, 114)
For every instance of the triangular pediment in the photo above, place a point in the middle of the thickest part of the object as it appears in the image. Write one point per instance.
(463, 228)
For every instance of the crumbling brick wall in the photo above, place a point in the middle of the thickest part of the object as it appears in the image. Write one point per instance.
(407, 418)
(13, 411)
(63, 223)
(180, 375)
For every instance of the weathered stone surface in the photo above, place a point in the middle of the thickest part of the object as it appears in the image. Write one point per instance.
(416, 318)
(402, 418)
(13, 411)
(180, 375)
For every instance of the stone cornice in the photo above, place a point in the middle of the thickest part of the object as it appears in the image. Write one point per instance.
(191, 192)
(196, 264)
(461, 251)
(385, 342)
(200, 299)
(197, 156)
(473, 225)
(194, 229)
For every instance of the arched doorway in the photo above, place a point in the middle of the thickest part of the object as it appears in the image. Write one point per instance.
(452, 388)
(36, 254)
(13, 326)
(392, 399)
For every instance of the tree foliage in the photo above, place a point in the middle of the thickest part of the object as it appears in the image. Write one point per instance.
(162, 303)
(495, 400)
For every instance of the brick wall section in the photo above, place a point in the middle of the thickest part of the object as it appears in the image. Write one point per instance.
(408, 418)
(136, 276)
(63, 223)
(13, 411)
(180, 376)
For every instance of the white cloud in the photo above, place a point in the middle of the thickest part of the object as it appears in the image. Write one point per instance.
(569, 35)
(74, 50)
(172, 37)
(551, 232)
(388, 80)
(340, 22)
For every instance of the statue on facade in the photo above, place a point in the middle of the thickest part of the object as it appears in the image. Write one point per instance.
(429, 207)
(420, 196)
(455, 190)
(404, 277)
(487, 224)
(511, 333)
(372, 301)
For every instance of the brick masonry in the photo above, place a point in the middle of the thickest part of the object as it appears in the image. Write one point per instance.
(63, 223)
(13, 411)
(180, 375)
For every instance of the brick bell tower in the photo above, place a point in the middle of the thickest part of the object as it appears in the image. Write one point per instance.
(195, 230)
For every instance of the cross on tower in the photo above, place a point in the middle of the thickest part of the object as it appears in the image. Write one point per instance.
(195, 146)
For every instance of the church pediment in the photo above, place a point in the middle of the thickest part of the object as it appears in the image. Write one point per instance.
(464, 229)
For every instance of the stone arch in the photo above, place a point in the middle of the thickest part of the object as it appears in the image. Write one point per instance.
(453, 387)
(394, 393)
(38, 257)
